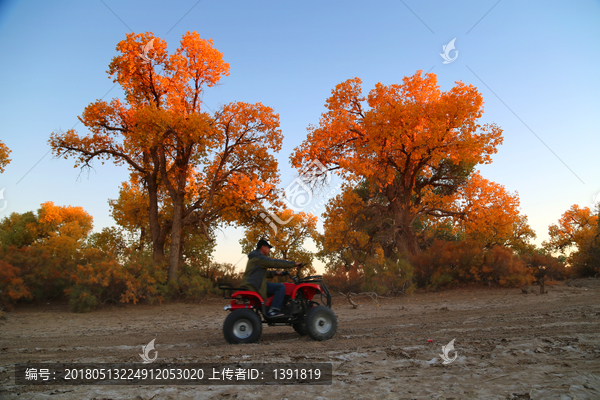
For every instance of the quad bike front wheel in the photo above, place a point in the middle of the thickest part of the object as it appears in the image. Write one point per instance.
(242, 326)
(321, 323)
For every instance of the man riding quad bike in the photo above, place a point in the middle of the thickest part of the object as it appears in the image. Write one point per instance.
(292, 304)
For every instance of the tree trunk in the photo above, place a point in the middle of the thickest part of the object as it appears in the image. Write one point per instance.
(404, 236)
(158, 250)
(158, 237)
(409, 241)
(176, 231)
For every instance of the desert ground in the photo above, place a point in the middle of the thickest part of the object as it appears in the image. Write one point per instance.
(510, 345)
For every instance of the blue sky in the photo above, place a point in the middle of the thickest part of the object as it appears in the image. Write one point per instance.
(535, 63)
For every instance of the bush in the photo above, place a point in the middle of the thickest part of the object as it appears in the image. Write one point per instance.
(392, 275)
(545, 267)
(387, 275)
(144, 280)
(448, 263)
(81, 299)
(344, 279)
(100, 277)
(192, 284)
(53, 254)
(12, 287)
(501, 265)
(44, 275)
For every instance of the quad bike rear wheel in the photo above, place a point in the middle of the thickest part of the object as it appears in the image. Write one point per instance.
(242, 326)
(321, 323)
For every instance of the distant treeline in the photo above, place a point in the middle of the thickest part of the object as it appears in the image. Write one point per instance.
(52, 254)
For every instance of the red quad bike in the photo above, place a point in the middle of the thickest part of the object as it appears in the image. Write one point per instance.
(248, 311)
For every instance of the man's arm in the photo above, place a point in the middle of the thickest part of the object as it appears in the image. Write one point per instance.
(266, 262)
(271, 274)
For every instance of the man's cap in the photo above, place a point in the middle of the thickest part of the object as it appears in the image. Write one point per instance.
(263, 242)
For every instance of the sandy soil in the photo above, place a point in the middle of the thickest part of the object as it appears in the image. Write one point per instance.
(510, 346)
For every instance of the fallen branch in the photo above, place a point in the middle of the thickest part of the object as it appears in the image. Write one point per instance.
(374, 296)
(347, 296)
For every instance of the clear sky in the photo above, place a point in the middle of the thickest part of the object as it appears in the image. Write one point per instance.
(536, 64)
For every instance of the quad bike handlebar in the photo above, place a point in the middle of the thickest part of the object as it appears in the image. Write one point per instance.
(297, 279)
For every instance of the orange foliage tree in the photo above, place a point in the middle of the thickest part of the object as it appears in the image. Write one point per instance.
(357, 244)
(222, 162)
(574, 228)
(130, 211)
(578, 235)
(491, 214)
(351, 229)
(64, 221)
(4, 160)
(413, 144)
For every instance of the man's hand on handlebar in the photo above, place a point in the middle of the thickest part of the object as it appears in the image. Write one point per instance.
(299, 266)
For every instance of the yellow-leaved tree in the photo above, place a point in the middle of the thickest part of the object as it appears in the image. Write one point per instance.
(409, 146)
(221, 162)
(4, 160)
(577, 236)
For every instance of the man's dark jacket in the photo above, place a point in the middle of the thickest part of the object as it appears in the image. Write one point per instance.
(255, 277)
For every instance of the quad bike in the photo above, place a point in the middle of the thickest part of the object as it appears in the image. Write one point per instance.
(302, 311)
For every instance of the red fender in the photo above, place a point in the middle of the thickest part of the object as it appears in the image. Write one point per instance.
(308, 290)
(254, 298)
